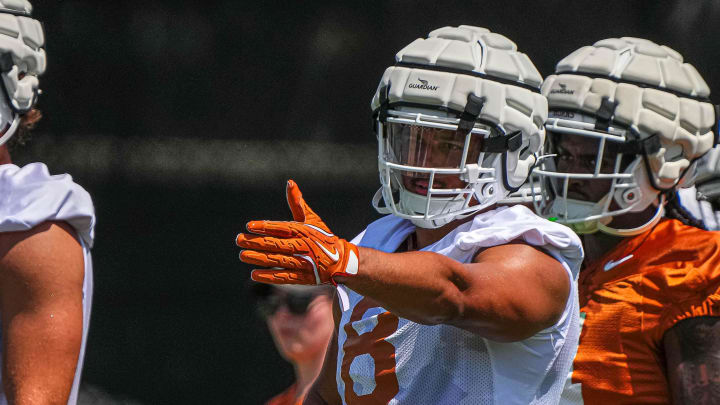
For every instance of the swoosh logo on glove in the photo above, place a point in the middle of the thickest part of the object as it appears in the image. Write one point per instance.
(333, 256)
(319, 230)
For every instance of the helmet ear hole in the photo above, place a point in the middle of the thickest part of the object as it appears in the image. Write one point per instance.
(636, 192)
(488, 190)
(630, 196)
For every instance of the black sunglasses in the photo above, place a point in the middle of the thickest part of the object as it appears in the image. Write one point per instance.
(296, 303)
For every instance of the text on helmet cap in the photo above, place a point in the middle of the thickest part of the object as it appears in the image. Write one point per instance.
(562, 90)
(424, 85)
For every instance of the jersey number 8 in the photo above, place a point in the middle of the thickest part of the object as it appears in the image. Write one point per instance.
(382, 352)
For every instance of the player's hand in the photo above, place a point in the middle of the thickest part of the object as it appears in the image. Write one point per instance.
(303, 251)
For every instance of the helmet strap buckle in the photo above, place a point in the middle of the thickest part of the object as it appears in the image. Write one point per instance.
(503, 143)
(472, 111)
(605, 113)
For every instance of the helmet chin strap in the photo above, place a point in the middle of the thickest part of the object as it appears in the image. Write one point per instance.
(659, 212)
(11, 130)
(416, 203)
(579, 208)
(415, 199)
(376, 203)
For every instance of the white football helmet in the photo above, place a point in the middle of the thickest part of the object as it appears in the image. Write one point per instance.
(22, 60)
(459, 121)
(644, 118)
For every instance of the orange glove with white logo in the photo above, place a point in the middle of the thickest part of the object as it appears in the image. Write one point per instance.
(299, 252)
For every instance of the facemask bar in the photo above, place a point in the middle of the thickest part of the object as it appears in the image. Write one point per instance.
(527, 193)
(594, 211)
(11, 130)
(430, 121)
(440, 205)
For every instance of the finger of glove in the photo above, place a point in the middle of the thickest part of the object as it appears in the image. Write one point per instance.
(295, 201)
(282, 277)
(282, 229)
(300, 210)
(270, 244)
(274, 260)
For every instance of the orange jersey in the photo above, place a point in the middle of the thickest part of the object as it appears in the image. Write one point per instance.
(628, 302)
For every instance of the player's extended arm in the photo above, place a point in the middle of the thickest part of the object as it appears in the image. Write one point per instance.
(509, 293)
(692, 352)
(41, 280)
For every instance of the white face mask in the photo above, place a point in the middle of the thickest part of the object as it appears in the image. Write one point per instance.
(586, 188)
(437, 172)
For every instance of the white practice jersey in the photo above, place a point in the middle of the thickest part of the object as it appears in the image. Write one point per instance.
(30, 196)
(402, 362)
(700, 209)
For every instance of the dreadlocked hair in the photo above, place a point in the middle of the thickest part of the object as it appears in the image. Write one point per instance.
(28, 121)
(675, 210)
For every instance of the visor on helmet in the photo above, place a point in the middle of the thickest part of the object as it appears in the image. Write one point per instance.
(420, 146)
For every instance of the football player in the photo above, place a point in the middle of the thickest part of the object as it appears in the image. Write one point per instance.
(46, 231)
(450, 299)
(628, 121)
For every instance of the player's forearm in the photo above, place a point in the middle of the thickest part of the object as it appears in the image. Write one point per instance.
(424, 287)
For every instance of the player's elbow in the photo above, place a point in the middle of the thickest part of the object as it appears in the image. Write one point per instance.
(447, 308)
(526, 324)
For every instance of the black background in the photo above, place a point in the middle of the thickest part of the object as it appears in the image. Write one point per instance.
(195, 82)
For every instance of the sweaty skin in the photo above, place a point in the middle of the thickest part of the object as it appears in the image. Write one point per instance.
(41, 278)
(41, 282)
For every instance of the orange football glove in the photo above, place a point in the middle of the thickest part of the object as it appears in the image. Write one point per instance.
(299, 252)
